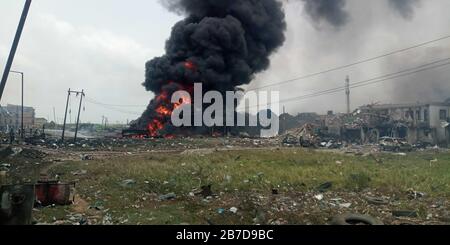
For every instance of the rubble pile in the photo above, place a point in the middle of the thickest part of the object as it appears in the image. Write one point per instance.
(305, 136)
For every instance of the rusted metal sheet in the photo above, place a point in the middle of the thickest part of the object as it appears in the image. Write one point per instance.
(54, 193)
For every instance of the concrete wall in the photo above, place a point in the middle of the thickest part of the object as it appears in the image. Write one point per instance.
(413, 135)
(436, 122)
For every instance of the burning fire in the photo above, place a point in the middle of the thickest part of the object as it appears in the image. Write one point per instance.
(190, 66)
(165, 109)
(164, 112)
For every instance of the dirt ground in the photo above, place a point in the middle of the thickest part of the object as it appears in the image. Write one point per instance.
(232, 181)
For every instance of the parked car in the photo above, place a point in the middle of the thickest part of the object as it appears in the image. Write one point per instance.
(395, 145)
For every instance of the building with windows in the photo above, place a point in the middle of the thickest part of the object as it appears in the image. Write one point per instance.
(11, 117)
(418, 122)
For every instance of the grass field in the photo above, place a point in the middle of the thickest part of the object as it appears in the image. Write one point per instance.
(267, 186)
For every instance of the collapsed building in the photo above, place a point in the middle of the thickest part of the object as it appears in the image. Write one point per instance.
(416, 123)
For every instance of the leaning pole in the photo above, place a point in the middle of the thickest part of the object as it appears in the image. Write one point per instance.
(15, 44)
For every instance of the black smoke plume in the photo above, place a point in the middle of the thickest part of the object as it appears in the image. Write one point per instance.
(331, 11)
(404, 7)
(221, 44)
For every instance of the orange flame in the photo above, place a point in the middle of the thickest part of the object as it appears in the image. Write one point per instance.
(190, 66)
(165, 111)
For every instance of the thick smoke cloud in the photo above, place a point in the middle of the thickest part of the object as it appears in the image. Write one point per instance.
(335, 14)
(375, 28)
(331, 11)
(227, 41)
(221, 43)
(404, 7)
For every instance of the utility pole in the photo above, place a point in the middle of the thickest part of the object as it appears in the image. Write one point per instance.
(22, 132)
(284, 120)
(65, 116)
(15, 44)
(79, 112)
(347, 92)
(54, 115)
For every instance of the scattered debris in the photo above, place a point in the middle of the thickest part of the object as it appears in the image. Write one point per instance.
(402, 154)
(395, 145)
(107, 220)
(304, 136)
(412, 194)
(98, 205)
(85, 157)
(6, 152)
(31, 153)
(128, 183)
(376, 200)
(409, 214)
(233, 210)
(319, 197)
(5, 167)
(79, 172)
(325, 187)
(345, 205)
(433, 161)
(168, 197)
(205, 192)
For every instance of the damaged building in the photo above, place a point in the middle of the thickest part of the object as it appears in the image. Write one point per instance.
(418, 122)
(11, 117)
(415, 122)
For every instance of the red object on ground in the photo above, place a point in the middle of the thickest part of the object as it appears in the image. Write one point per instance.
(52, 192)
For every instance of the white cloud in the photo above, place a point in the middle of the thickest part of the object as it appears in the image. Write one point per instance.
(57, 55)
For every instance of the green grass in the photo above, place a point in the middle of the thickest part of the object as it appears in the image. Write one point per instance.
(238, 175)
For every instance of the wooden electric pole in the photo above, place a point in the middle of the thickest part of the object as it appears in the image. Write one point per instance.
(15, 44)
(65, 114)
(78, 118)
(65, 117)
(347, 93)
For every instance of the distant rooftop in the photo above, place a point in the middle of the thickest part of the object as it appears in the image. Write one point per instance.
(18, 107)
(406, 105)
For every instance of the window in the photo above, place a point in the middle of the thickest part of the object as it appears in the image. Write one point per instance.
(426, 115)
(443, 114)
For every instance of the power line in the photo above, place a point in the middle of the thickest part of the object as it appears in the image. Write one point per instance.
(379, 79)
(113, 105)
(351, 64)
(363, 83)
(111, 108)
(410, 70)
(359, 84)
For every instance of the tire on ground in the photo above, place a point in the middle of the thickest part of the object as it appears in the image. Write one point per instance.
(351, 219)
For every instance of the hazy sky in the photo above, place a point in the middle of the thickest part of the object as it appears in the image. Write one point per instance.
(102, 46)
